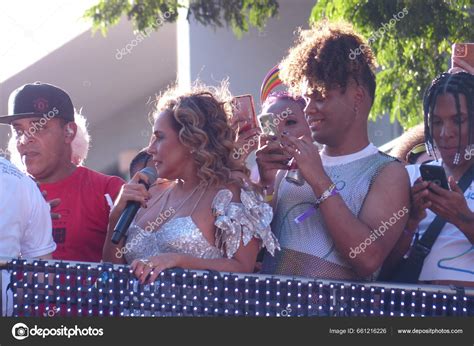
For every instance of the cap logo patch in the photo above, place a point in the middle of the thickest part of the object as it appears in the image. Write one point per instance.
(40, 105)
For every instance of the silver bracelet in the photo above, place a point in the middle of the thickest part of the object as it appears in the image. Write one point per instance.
(331, 191)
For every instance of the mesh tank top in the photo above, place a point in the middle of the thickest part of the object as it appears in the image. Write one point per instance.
(307, 248)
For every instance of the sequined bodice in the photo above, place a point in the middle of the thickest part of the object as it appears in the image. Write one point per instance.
(235, 223)
(179, 235)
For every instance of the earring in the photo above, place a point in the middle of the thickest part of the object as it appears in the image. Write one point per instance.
(457, 158)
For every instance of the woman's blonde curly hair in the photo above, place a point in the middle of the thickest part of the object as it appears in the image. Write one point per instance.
(201, 117)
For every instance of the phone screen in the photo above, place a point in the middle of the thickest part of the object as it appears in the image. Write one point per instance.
(434, 174)
(463, 51)
(267, 124)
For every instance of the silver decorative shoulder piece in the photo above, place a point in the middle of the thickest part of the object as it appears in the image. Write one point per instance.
(236, 222)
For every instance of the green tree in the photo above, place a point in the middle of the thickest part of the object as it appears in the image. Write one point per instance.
(236, 14)
(411, 52)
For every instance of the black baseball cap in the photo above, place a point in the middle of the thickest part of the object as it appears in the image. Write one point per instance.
(37, 100)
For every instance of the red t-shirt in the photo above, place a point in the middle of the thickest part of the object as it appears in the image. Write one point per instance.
(81, 230)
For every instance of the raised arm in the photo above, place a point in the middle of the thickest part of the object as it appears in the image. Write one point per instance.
(388, 196)
(132, 191)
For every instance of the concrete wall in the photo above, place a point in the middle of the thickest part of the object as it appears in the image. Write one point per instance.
(218, 54)
(111, 92)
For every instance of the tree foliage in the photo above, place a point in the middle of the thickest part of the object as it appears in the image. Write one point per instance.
(239, 15)
(411, 52)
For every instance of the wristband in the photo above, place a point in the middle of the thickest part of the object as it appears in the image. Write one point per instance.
(331, 191)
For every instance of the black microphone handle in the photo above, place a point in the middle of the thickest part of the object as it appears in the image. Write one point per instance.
(125, 220)
(131, 208)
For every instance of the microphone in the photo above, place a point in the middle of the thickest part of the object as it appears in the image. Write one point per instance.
(132, 207)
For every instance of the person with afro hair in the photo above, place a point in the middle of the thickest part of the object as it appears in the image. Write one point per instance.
(353, 206)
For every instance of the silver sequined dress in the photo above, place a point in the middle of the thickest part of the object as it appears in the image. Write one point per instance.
(235, 222)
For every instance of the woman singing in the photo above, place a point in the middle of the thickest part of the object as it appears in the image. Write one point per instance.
(201, 216)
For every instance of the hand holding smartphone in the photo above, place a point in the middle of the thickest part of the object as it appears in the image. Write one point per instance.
(434, 174)
(462, 57)
(244, 116)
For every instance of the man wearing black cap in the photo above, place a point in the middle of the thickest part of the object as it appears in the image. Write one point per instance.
(42, 121)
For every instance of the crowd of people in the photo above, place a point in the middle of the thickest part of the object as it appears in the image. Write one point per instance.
(356, 214)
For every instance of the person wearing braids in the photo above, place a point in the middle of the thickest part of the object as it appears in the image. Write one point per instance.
(449, 130)
(203, 214)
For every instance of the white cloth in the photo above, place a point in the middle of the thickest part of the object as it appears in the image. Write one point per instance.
(452, 255)
(25, 222)
(343, 159)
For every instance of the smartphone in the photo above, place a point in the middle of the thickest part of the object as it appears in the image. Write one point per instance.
(435, 174)
(267, 125)
(463, 51)
(244, 113)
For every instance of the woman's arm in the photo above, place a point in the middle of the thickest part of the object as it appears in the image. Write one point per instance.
(132, 191)
(243, 261)
(113, 252)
